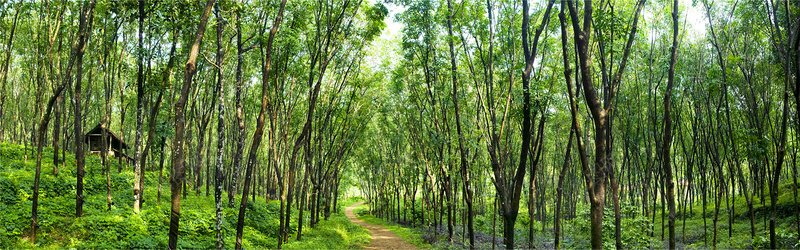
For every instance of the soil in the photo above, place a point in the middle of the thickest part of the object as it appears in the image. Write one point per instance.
(382, 238)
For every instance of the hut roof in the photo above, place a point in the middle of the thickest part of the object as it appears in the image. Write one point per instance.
(116, 141)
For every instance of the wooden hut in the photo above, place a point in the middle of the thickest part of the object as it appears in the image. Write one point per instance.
(116, 147)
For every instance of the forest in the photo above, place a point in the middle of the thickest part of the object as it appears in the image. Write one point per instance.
(443, 124)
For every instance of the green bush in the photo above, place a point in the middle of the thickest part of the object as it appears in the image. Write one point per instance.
(335, 233)
(785, 239)
(635, 228)
(120, 227)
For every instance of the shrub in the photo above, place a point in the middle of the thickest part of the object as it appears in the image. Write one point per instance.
(634, 226)
(119, 227)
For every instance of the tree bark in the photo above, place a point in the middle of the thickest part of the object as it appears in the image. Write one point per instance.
(599, 111)
(4, 73)
(137, 174)
(252, 157)
(56, 129)
(240, 136)
(178, 175)
(85, 31)
(462, 151)
(667, 141)
(559, 189)
(161, 167)
(42, 131)
(218, 177)
(510, 193)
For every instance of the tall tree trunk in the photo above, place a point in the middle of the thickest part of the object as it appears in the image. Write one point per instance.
(4, 72)
(56, 128)
(599, 111)
(252, 157)
(122, 111)
(42, 131)
(794, 180)
(780, 158)
(717, 200)
(667, 141)
(178, 175)
(617, 216)
(85, 32)
(668, 127)
(218, 178)
(237, 158)
(304, 194)
(462, 151)
(559, 189)
(161, 167)
(104, 155)
(106, 147)
(137, 175)
(157, 105)
(573, 104)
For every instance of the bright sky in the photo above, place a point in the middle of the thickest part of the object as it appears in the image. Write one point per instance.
(393, 28)
(695, 18)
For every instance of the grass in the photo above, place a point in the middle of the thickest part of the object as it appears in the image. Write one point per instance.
(121, 228)
(634, 228)
(335, 233)
(408, 234)
(118, 227)
(740, 228)
(349, 202)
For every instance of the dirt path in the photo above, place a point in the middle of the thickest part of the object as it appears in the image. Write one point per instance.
(382, 238)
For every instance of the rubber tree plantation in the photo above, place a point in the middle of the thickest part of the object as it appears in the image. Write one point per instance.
(445, 124)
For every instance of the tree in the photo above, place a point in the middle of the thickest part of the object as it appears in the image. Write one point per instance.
(789, 77)
(668, 126)
(84, 33)
(559, 187)
(6, 62)
(510, 189)
(460, 134)
(259, 126)
(218, 178)
(42, 131)
(87, 12)
(240, 136)
(599, 111)
(138, 166)
(178, 175)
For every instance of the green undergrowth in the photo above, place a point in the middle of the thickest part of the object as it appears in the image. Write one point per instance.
(635, 227)
(693, 235)
(120, 227)
(349, 202)
(336, 233)
(410, 235)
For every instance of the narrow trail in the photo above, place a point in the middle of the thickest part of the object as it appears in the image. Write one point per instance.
(382, 238)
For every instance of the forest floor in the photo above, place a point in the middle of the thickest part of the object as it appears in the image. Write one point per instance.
(121, 228)
(382, 238)
(694, 227)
